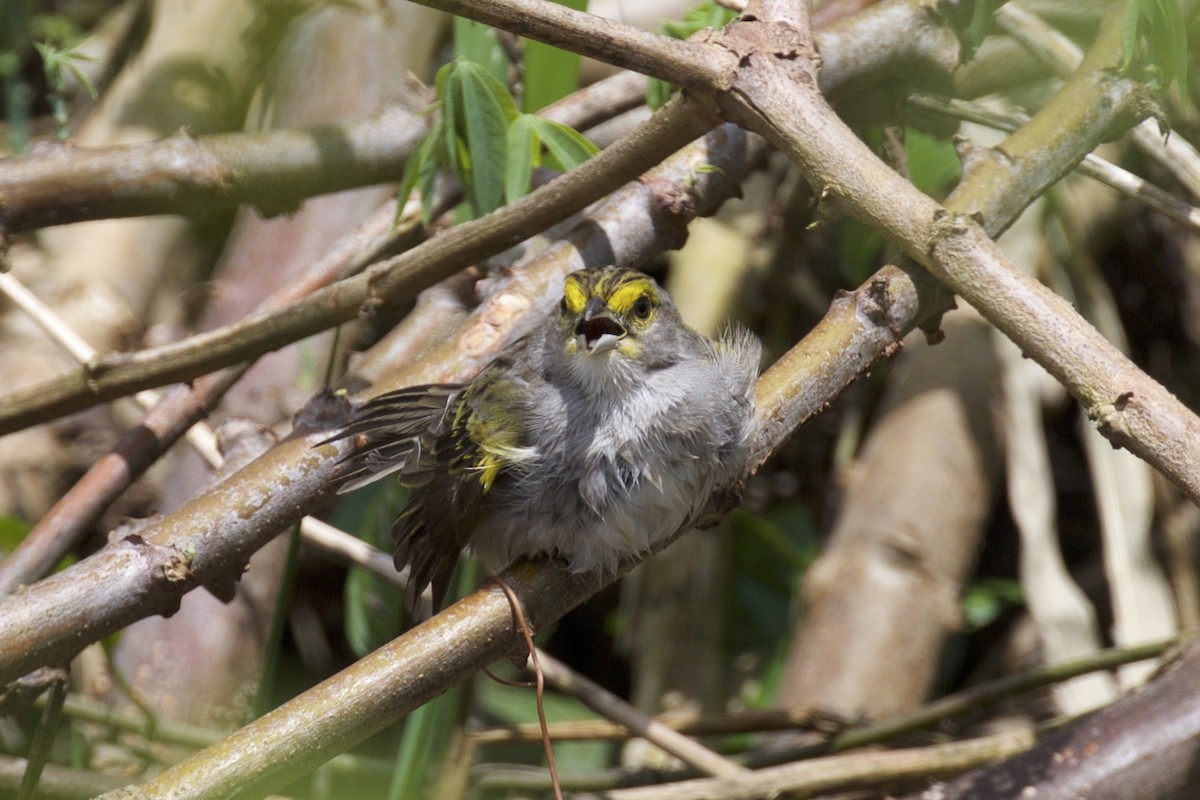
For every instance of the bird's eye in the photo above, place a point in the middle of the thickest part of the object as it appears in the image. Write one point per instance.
(641, 307)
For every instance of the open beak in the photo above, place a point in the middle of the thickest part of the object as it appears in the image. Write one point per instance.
(597, 331)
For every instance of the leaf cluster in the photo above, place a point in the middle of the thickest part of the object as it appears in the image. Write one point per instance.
(1154, 36)
(488, 145)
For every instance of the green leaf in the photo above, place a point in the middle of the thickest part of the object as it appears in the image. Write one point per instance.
(523, 154)
(487, 109)
(1129, 33)
(373, 611)
(374, 607)
(770, 552)
(932, 162)
(982, 15)
(658, 92)
(479, 44)
(1160, 24)
(861, 250)
(1174, 44)
(550, 73)
(706, 15)
(420, 171)
(13, 531)
(425, 744)
(568, 147)
(427, 172)
(449, 91)
(985, 600)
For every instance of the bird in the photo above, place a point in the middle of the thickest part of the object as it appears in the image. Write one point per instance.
(595, 437)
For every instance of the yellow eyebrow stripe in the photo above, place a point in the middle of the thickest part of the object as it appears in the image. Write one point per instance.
(628, 293)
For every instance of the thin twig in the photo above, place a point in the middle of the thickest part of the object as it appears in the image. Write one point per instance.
(1174, 153)
(930, 714)
(832, 774)
(608, 705)
(994, 691)
(1092, 165)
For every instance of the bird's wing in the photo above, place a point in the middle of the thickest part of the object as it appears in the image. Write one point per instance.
(484, 438)
(398, 431)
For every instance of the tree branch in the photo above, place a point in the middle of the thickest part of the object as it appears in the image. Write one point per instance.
(389, 283)
(185, 174)
(776, 94)
(681, 63)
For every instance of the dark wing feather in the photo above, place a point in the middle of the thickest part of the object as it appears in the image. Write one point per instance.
(398, 431)
(433, 436)
(432, 531)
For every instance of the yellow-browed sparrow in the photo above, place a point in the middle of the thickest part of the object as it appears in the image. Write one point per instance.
(593, 438)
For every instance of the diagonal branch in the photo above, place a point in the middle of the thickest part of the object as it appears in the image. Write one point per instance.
(776, 95)
(389, 283)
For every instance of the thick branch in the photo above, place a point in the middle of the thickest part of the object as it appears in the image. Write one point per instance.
(776, 95)
(184, 174)
(1143, 745)
(370, 695)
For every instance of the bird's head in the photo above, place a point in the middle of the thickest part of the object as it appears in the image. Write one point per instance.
(615, 323)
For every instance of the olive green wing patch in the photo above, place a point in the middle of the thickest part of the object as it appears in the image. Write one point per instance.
(489, 434)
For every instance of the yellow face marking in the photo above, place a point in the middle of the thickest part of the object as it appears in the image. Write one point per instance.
(575, 295)
(624, 296)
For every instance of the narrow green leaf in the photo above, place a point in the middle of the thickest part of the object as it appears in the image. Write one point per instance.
(550, 73)
(477, 43)
(522, 155)
(428, 174)
(1129, 33)
(443, 75)
(706, 15)
(567, 146)
(487, 109)
(658, 92)
(424, 745)
(374, 611)
(982, 14)
(373, 608)
(450, 93)
(1175, 43)
(412, 166)
(1161, 25)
